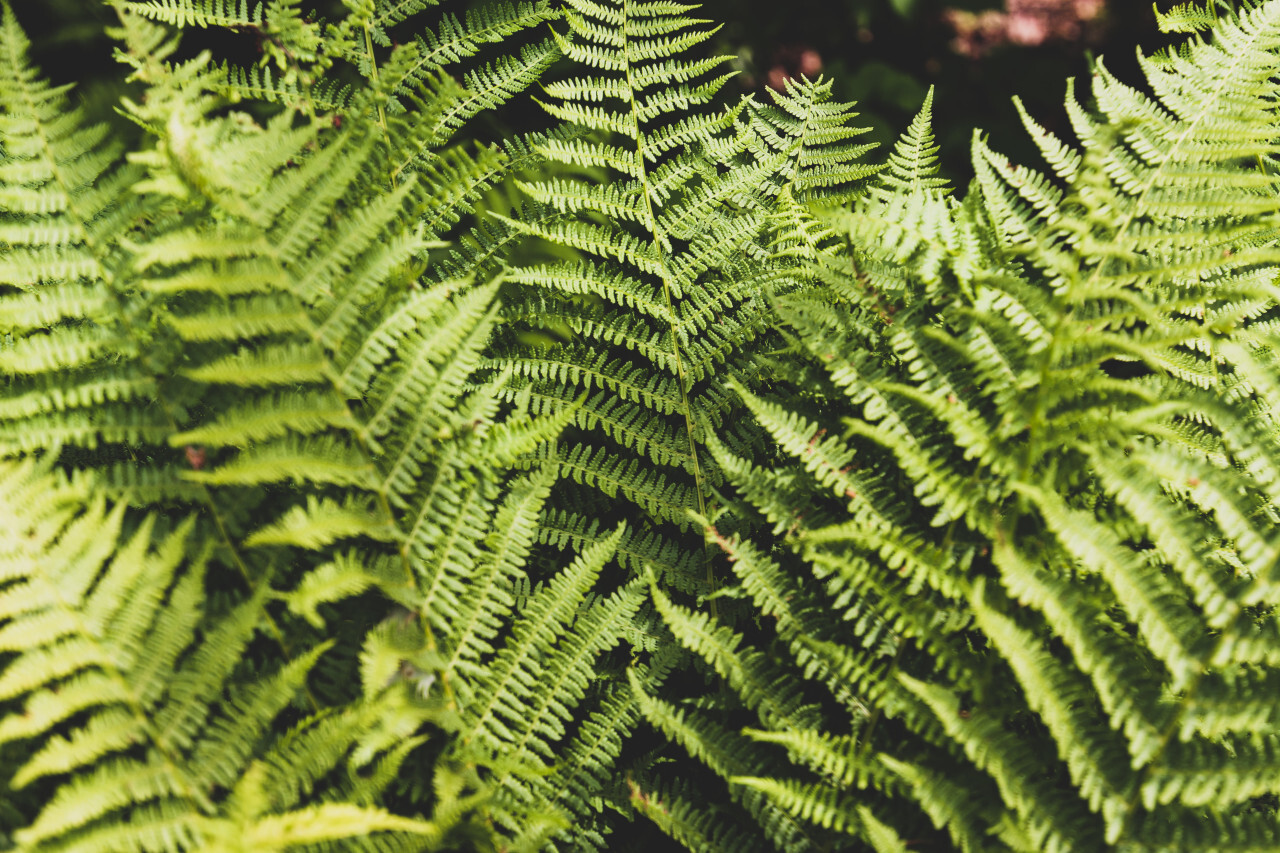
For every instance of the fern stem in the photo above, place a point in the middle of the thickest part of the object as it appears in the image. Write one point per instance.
(682, 376)
(373, 75)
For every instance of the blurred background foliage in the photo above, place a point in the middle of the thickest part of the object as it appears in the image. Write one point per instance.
(883, 54)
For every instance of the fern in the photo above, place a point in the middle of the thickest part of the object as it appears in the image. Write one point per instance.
(662, 298)
(1010, 546)
(370, 482)
(111, 634)
(280, 349)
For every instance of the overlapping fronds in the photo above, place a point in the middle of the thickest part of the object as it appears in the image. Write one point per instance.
(1030, 488)
(455, 39)
(420, 94)
(660, 298)
(66, 200)
(151, 737)
(314, 405)
(368, 483)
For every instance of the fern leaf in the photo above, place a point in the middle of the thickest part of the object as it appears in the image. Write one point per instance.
(200, 13)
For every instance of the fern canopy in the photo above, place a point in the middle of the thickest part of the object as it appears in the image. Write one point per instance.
(671, 473)
(1025, 483)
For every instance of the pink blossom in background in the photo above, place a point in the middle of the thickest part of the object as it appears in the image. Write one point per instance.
(1026, 29)
(792, 61)
(1023, 22)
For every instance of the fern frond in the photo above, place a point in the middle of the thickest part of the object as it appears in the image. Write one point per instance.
(913, 165)
(65, 191)
(726, 753)
(1020, 409)
(456, 39)
(120, 648)
(1188, 18)
(196, 13)
(675, 808)
(769, 691)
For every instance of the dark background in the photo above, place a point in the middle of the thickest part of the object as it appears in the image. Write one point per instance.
(883, 54)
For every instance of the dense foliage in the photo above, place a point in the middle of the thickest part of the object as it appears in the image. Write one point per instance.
(677, 475)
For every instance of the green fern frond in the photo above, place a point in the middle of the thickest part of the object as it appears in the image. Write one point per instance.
(913, 165)
(816, 804)
(1188, 18)
(196, 13)
(65, 190)
(677, 809)
(813, 134)
(728, 754)
(513, 678)
(769, 691)
(964, 438)
(107, 633)
(456, 39)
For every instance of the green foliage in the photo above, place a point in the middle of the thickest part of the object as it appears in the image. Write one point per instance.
(115, 637)
(230, 321)
(668, 470)
(1027, 483)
